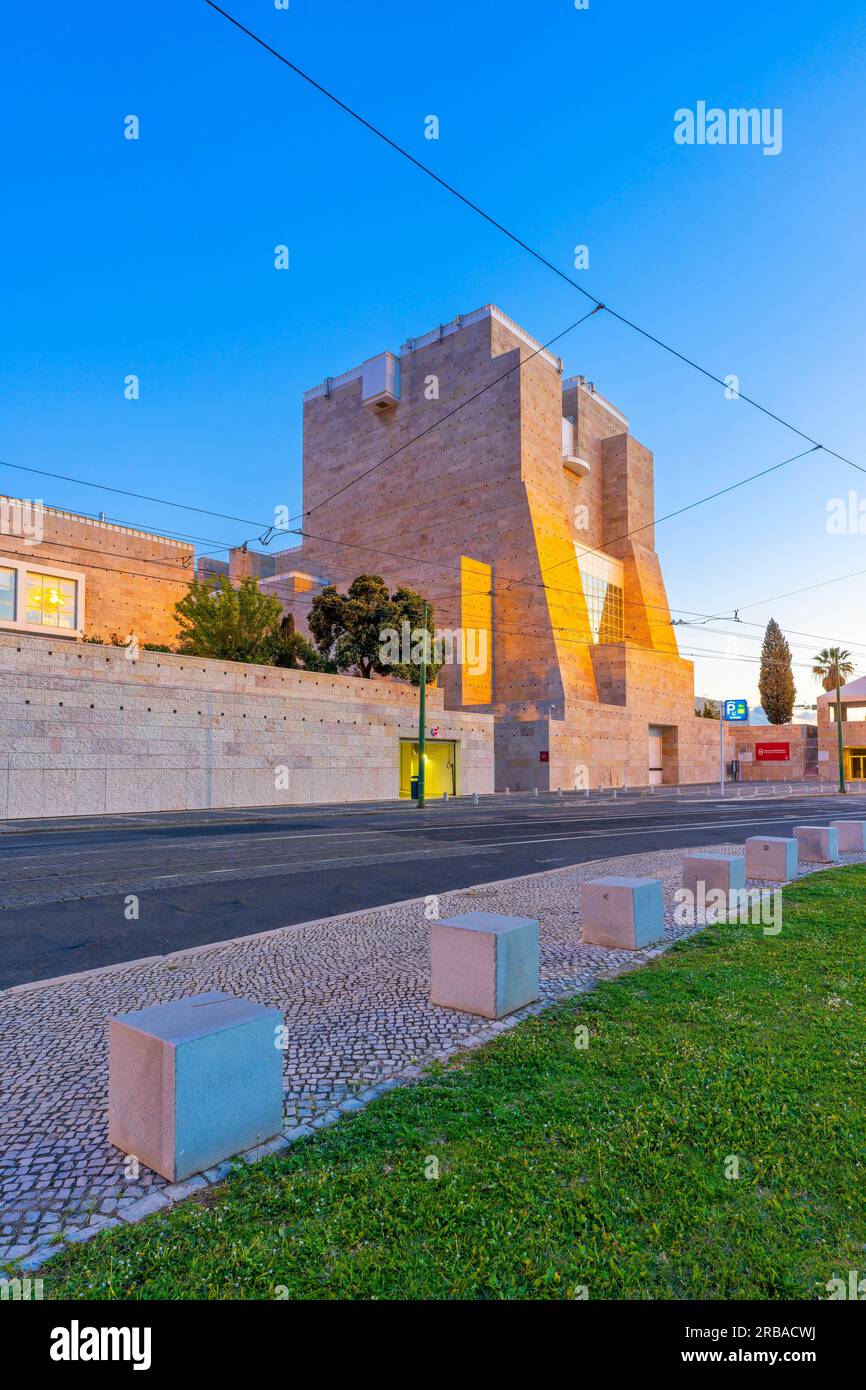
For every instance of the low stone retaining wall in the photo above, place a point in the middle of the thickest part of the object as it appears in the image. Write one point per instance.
(86, 731)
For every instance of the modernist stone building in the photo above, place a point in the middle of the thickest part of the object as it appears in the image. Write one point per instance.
(66, 575)
(853, 699)
(526, 516)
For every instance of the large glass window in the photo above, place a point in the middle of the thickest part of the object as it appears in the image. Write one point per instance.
(50, 600)
(602, 580)
(8, 591)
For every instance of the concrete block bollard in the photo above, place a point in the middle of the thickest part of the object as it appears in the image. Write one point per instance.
(774, 859)
(484, 963)
(852, 835)
(623, 913)
(194, 1081)
(817, 844)
(715, 871)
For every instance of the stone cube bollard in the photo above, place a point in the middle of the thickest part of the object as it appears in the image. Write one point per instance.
(194, 1081)
(774, 859)
(816, 844)
(484, 963)
(715, 871)
(852, 835)
(623, 913)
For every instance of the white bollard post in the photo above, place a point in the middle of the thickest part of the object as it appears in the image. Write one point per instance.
(474, 798)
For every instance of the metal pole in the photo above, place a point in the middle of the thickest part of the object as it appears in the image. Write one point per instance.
(422, 713)
(721, 751)
(839, 729)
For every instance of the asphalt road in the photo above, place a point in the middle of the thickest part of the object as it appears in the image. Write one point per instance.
(70, 891)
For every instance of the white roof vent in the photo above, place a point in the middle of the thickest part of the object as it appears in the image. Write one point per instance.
(380, 389)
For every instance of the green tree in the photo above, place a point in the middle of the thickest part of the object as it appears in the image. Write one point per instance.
(833, 666)
(232, 624)
(288, 648)
(363, 629)
(710, 710)
(776, 679)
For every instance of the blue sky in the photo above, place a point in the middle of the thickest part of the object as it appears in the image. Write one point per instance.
(155, 256)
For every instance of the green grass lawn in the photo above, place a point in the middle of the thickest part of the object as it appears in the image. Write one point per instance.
(561, 1167)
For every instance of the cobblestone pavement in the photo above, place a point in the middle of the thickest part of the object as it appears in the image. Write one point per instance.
(354, 993)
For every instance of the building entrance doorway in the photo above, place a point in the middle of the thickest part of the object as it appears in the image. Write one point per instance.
(655, 755)
(440, 767)
(855, 764)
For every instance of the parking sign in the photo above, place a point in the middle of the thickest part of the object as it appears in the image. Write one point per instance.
(735, 711)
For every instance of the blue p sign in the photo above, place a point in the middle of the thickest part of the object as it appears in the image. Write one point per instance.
(736, 711)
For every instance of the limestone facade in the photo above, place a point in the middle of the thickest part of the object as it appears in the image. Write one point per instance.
(102, 579)
(760, 750)
(86, 730)
(537, 482)
(853, 734)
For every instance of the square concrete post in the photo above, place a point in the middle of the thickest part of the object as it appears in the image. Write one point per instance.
(715, 871)
(484, 963)
(625, 914)
(194, 1081)
(817, 844)
(852, 835)
(773, 859)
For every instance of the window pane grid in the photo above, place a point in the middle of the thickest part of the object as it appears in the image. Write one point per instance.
(8, 591)
(51, 601)
(605, 609)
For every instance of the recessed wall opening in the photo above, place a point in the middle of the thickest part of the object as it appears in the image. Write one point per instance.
(440, 767)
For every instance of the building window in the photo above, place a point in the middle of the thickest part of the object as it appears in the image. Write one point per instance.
(51, 601)
(602, 580)
(8, 594)
(33, 600)
(851, 714)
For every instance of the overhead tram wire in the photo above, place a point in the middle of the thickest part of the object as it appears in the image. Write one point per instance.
(457, 593)
(518, 366)
(268, 528)
(524, 245)
(689, 507)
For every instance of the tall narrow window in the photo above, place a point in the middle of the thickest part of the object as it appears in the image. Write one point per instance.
(602, 580)
(8, 594)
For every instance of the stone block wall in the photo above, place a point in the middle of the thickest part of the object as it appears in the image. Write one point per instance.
(602, 746)
(802, 740)
(84, 730)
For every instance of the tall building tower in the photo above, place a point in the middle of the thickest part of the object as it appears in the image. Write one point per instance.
(467, 468)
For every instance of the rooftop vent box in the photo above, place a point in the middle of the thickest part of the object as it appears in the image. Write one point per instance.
(578, 467)
(380, 389)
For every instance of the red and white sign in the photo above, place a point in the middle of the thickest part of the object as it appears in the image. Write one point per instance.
(773, 752)
(544, 756)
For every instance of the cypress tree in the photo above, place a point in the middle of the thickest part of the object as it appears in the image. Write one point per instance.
(776, 681)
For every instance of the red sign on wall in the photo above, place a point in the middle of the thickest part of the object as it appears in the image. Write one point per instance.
(544, 756)
(773, 752)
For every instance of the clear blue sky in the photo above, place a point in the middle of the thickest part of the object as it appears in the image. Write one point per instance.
(155, 257)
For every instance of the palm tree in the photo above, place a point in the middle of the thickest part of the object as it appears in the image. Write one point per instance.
(833, 666)
(830, 663)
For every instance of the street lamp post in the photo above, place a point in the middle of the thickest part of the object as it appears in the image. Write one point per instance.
(422, 712)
